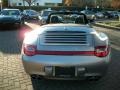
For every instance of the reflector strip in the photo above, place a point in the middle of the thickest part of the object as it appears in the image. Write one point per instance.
(86, 53)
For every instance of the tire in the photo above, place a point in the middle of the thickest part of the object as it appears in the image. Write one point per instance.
(23, 22)
(39, 22)
(36, 77)
(95, 18)
(95, 78)
(19, 25)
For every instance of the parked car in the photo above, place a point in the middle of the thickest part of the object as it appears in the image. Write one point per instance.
(30, 14)
(115, 14)
(70, 49)
(108, 14)
(90, 15)
(11, 17)
(44, 15)
(99, 15)
(63, 10)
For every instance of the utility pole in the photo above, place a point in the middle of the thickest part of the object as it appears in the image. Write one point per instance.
(23, 4)
(95, 3)
(102, 4)
(1, 5)
(8, 3)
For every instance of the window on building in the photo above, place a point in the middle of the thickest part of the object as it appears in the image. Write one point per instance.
(50, 4)
(19, 4)
(14, 4)
(37, 4)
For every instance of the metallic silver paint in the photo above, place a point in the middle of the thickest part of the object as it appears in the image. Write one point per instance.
(94, 66)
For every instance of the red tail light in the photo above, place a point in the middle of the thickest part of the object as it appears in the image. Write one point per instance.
(29, 50)
(102, 51)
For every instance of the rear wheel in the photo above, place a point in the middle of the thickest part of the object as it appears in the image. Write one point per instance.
(94, 78)
(23, 22)
(36, 77)
(19, 25)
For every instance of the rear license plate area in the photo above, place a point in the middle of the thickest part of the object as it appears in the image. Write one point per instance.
(65, 72)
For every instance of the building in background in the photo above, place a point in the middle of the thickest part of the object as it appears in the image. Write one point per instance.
(35, 3)
(80, 3)
(90, 3)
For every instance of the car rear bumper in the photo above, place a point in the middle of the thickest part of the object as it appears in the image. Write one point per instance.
(77, 66)
(4, 24)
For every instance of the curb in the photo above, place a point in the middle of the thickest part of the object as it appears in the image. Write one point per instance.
(106, 26)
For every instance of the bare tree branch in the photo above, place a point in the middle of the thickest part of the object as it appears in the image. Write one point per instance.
(30, 2)
(115, 4)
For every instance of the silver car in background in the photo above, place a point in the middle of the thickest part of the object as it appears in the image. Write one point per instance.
(44, 16)
(67, 48)
(89, 14)
(30, 14)
(99, 15)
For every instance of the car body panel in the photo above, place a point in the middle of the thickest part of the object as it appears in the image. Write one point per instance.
(34, 65)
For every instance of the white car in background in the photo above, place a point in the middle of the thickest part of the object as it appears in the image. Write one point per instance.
(66, 49)
(99, 15)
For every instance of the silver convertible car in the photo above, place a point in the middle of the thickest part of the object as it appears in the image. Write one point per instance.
(66, 48)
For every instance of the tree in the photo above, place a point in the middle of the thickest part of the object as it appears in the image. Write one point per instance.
(68, 2)
(115, 3)
(79, 3)
(30, 2)
(5, 3)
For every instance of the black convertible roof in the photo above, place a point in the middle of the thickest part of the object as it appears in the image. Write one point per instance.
(67, 13)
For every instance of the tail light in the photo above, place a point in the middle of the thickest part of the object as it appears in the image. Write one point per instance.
(102, 51)
(29, 50)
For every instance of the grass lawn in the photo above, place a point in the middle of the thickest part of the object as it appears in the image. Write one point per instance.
(112, 23)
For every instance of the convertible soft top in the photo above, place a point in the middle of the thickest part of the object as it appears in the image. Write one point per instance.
(67, 13)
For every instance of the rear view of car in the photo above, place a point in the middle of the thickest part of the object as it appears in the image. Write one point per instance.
(108, 14)
(66, 48)
(99, 15)
(90, 15)
(30, 14)
(11, 17)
